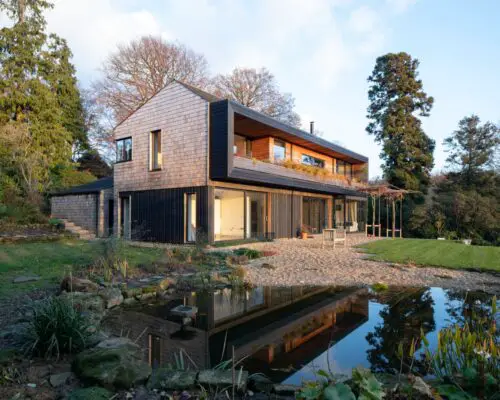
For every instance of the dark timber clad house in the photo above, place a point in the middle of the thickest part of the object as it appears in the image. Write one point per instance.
(193, 167)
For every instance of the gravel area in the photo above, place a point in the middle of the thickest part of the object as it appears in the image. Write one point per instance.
(306, 262)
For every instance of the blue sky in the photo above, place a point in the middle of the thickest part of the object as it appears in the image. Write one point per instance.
(321, 51)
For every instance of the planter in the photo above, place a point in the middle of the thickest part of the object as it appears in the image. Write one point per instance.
(303, 235)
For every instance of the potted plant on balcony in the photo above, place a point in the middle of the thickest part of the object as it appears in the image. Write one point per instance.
(303, 232)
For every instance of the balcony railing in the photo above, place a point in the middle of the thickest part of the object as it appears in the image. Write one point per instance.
(281, 170)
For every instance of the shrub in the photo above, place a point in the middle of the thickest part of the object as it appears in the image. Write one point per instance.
(56, 327)
(56, 223)
(250, 253)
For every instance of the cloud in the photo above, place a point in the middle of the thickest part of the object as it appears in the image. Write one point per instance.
(363, 20)
(93, 28)
(400, 6)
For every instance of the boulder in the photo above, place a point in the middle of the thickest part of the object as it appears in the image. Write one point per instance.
(112, 297)
(90, 393)
(113, 363)
(57, 380)
(74, 284)
(163, 378)
(90, 304)
(24, 279)
(223, 378)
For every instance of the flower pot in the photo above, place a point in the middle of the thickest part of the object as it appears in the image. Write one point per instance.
(303, 235)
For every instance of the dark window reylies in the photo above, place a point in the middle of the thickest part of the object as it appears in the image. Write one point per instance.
(279, 150)
(124, 150)
(310, 160)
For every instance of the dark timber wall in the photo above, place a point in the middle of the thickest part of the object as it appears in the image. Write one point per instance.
(159, 215)
(286, 214)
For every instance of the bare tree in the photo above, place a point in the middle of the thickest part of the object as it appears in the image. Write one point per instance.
(138, 70)
(256, 89)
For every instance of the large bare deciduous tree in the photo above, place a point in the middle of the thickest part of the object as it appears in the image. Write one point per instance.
(138, 70)
(256, 89)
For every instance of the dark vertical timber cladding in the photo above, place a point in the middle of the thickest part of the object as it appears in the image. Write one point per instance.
(219, 137)
(159, 215)
(285, 214)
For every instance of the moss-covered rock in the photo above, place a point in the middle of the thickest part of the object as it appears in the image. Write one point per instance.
(223, 378)
(90, 393)
(163, 378)
(113, 363)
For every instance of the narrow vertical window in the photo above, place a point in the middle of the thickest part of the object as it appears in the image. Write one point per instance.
(191, 217)
(155, 147)
(124, 150)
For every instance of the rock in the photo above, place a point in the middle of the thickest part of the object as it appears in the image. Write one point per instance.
(90, 393)
(261, 383)
(281, 389)
(114, 363)
(268, 266)
(222, 378)
(112, 297)
(132, 292)
(142, 393)
(90, 304)
(146, 296)
(14, 331)
(73, 284)
(422, 388)
(96, 338)
(24, 279)
(129, 301)
(164, 284)
(163, 378)
(57, 380)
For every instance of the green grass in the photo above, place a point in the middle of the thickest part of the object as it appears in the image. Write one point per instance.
(51, 260)
(440, 253)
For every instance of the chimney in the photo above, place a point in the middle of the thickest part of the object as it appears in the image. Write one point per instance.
(311, 127)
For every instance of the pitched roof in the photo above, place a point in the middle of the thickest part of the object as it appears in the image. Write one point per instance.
(92, 187)
(204, 95)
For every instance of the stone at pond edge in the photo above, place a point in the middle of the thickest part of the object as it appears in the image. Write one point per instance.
(163, 378)
(57, 380)
(422, 388)
(112, 297)
(74, 284)
(222, 378)
(90, 393)
(114, 362)
(24, 279)
(268, 266)
(285, 389)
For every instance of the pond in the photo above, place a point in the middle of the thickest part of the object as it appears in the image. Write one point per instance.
(290, 333)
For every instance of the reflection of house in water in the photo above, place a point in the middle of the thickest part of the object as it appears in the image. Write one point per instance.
(274, 327)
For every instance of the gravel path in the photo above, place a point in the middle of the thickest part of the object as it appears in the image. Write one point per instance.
(299, 262)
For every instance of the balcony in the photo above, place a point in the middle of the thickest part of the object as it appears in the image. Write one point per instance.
(264, 167)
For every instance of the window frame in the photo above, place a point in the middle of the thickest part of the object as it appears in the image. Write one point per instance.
(281, 144)
(152, 166)
(117, 141)
(318, 162)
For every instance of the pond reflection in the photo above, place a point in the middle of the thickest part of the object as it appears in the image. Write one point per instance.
(290, 333)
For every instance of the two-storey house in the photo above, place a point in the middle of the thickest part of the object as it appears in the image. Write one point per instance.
(192, 167)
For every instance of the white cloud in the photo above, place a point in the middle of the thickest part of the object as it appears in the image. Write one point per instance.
(363, 19)
(93, 28)
(400, 6)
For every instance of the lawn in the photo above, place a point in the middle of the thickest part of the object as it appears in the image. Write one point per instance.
(440, 253)
(52, 260)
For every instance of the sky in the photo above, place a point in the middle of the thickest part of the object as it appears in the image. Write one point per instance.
(320, 51)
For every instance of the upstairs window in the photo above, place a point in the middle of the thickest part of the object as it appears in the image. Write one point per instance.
(279, 150)
(313, 161)
(344, 169)
(124, 150)
(155, 150)
(242, 146)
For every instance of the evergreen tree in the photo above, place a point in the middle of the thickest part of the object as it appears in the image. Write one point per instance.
(396, 95)
(472, 147)
(39, 100)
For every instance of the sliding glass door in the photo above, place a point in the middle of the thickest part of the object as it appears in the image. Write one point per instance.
(239, 214)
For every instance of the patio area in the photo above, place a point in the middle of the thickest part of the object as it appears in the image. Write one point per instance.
(308, 262)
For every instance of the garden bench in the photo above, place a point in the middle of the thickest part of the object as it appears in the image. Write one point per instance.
(335, 236)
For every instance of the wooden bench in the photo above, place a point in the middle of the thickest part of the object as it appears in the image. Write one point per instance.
(335, 236)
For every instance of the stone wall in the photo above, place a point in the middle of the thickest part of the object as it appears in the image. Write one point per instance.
(80, 209)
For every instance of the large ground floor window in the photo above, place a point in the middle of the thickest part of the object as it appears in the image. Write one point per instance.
(239, 214)
(350, 214)
(314, 214)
